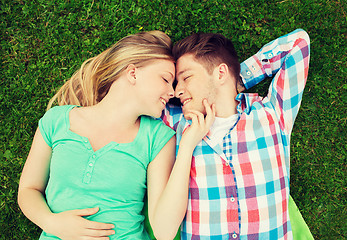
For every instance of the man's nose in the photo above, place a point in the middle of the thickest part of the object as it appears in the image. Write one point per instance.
(179, 90)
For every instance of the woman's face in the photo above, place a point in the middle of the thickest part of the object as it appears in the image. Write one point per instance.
(154, 82)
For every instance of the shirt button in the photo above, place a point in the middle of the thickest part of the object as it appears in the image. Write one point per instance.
(248, 73)
(88, 174)
(91, 164)
(94, 156)
(270, 55)
(232, 199)
(234, 235)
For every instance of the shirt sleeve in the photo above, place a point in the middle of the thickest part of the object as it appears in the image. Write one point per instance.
(286, 59)
(46, 125)
(161, 135)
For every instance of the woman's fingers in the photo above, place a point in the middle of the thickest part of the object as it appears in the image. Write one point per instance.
(72, 225)
(200, 124)
(193, 117)
(98, 225)
(210, 113)
(200, 118)
(204, 121)
(85, 212)
(99, 233)
(98, 230)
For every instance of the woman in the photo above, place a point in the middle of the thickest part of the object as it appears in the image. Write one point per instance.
(91, 158)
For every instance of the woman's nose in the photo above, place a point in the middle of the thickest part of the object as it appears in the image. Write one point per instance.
(171, 92)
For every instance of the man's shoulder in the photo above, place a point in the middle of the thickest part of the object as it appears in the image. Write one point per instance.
(172, 115)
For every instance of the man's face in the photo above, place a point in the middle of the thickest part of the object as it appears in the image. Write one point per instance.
(194, 84)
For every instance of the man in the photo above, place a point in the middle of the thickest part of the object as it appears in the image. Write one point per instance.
(239, 181)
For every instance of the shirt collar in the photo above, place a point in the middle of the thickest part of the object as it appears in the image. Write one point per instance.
(245, 102)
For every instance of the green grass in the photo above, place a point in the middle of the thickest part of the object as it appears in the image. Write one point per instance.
(44, 42)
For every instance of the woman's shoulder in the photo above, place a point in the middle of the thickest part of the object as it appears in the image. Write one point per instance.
(55, 115)
(156, 128)
(57, 111)
(53, 121)
(154, 123)
(156, 133)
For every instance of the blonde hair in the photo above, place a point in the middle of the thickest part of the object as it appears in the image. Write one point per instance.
(92, 81)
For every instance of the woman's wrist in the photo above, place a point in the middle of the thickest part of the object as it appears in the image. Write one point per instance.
(187, 145)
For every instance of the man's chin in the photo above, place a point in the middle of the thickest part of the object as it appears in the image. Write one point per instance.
(186, 111)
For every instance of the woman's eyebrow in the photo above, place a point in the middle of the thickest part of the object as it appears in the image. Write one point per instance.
(172, 75)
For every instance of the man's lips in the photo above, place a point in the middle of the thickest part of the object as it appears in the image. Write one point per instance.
(185, 101)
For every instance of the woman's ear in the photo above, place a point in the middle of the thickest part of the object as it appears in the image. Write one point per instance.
(131, 73)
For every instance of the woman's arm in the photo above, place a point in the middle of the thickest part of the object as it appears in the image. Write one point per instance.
(65, 225)
(168, 193)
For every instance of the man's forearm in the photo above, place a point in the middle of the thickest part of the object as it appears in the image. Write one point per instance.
(269, 59)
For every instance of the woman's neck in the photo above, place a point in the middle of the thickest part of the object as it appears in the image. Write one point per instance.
(117, 108)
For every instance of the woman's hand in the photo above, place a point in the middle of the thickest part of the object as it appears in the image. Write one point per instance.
(200, 125)
(32, 185)
(72, 225)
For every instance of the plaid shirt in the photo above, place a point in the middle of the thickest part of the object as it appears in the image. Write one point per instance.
(240, 190)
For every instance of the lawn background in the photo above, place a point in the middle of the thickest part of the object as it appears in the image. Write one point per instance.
(44, 42)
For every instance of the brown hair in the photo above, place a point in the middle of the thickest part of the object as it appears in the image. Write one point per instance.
(92, 81)
(210, 50)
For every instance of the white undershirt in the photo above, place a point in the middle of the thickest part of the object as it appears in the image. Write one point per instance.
(222, 126)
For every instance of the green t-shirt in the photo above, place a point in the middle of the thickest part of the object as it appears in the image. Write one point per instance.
(113, 178)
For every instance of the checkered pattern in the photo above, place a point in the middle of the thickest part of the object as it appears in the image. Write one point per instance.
(241, 190)
(227, 147)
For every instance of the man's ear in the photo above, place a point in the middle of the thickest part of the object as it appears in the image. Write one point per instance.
(131, 71)
(222, 73)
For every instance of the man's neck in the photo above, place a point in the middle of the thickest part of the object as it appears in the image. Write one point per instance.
(226, 105)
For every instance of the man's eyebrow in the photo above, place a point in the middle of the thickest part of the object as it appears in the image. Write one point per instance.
(181, 72)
